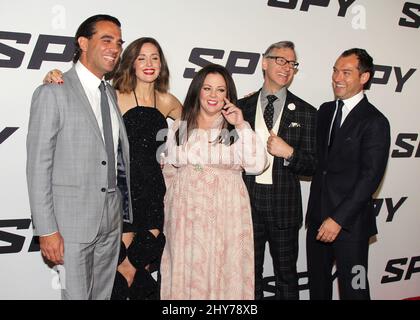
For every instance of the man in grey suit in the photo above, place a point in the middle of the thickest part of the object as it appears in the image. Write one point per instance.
(74, 135)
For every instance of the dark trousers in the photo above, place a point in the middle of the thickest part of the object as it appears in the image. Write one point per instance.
(283, 245)
(351, 259)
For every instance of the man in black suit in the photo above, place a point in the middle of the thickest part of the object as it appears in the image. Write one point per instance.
(287, 123)
(353, 140)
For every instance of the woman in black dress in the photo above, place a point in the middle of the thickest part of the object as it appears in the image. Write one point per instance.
(142, 81)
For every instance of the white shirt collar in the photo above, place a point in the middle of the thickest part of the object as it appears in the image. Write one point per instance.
(350, 103)
(87, 78)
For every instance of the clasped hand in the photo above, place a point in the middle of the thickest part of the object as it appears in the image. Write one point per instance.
(328, 231)
(277, 147)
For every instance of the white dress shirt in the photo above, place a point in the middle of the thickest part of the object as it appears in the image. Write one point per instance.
(349, 105)
(90, 84)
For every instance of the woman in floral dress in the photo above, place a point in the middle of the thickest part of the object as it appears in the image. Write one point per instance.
(209, 253)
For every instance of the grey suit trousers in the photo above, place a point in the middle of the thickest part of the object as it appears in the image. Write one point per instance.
(89, 268)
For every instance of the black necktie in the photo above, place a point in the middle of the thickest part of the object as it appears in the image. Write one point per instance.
(269, 111)
(108, 139)
(337, 122)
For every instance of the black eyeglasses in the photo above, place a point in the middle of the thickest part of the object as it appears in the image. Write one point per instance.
(282, 61)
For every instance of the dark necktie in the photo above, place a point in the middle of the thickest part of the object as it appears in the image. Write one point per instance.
(337, 122)
(108, 139)
(269, 111)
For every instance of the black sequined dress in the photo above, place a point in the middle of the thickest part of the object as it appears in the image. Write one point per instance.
(147, 193)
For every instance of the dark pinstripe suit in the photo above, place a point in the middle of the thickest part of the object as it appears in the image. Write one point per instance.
(277, 208)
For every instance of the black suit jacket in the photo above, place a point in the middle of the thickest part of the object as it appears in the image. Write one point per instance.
(348, 175)
(287, 201)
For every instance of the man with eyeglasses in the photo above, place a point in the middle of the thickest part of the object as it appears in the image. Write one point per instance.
(287, 123)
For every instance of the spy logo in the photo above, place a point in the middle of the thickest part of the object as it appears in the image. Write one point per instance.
(411, 17)
(306, 4)
(40, 53)
(407, 146)
(383, 73)
(391, 206)
(396, 268)
(238, 62)
(12, 242)
(6, 133)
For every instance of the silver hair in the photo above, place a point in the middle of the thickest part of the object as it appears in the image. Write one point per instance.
(280, 45)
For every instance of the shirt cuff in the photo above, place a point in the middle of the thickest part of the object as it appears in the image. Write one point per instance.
(49, 234)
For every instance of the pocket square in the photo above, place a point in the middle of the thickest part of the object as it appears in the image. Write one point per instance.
(294, 125)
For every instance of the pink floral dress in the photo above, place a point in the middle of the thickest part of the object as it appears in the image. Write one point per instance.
(209, 253)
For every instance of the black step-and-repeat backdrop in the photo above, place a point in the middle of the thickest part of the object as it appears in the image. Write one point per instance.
(37, 36)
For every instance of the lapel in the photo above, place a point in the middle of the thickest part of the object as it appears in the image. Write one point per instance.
(123, 155)
(251, 108)
(353, 118)
(123, 133)
(114, 99)
(325, 134)
(287, 115)
(79, 92)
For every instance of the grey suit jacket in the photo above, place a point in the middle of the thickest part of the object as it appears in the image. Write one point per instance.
(65, 153)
